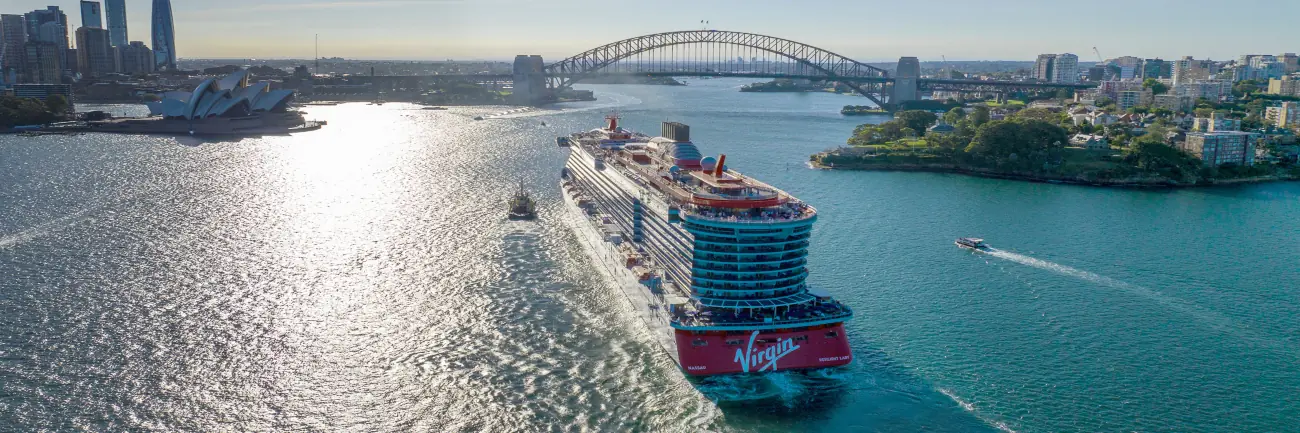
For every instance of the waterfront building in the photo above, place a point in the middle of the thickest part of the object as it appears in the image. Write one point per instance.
(91, 16)
(115, 10)
(94, 52)
(13, 36)
(1222, 147)
(1090, 142)
(43, 91)
(135, 58)
(42, 62)
(164, 36)
(231, 96)
(1285, 86)
(1284, 115)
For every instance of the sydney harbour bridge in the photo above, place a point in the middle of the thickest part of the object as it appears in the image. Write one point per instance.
(717, 53)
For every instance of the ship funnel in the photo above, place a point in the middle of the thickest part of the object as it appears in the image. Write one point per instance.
(717, 172)
(612, 121)
(677, 132)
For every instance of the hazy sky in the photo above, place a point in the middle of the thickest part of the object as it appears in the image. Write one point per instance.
(867, 30)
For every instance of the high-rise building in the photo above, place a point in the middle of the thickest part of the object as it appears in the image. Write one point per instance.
(13, 35)
(1284, 115)
(1285, 86)
(1156, 68)
(1043, 67)
(49, 25)
(1187, 69)
(1290, 61)
(1224, 147)
(43, 62)
(94, 53)
(115, 10)
(164, 35)
(91, 15)
(1066, 69)
(1057, 68)
(136, 58)
(70, 60)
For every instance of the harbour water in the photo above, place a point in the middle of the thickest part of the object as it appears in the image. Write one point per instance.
(364, 278)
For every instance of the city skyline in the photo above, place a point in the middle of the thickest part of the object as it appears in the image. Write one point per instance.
(498, 30)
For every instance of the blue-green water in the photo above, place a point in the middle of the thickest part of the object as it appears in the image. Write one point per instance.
(362, 278)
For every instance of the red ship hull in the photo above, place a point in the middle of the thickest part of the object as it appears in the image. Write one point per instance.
(712, 353)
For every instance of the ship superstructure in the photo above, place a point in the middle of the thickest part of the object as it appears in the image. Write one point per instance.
(717, 258)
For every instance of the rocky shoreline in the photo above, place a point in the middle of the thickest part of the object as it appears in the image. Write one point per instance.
(1155, 182)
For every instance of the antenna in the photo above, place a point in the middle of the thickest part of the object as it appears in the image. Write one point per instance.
(317, 53)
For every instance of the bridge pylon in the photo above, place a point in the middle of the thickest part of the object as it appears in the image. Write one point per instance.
(530, 81)
(905, 81)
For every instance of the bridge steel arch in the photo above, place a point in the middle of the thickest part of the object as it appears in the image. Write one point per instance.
(565, 72)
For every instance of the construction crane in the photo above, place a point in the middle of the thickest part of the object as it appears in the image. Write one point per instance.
(1099, 60)
(943, 72)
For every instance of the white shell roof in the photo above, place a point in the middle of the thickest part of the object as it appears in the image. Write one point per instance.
(220, 97)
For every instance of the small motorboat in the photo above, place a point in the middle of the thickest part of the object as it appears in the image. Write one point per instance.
(972, 243)
(543, 123)
(563, 141)
(522, 206)
(478, 117)
(435, 108)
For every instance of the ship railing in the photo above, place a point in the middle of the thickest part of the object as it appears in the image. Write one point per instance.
(718, 317)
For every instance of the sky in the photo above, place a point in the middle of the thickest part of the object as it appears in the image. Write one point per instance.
(865, 30)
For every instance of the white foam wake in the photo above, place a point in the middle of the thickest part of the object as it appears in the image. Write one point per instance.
(43, 229)
(1213, 319)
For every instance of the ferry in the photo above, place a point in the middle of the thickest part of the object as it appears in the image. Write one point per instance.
(972, 243)
(713, 261)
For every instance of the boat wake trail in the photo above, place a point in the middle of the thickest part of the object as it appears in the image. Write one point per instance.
(970, 407)
(1212, 319)
(44, 229)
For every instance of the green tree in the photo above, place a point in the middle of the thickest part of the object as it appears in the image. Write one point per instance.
(1019, 142)
(1155, 85)
(1203, 112)
(868, 134)
(979, 116)
(57, 104)
(1040, 114)
(1103, 101)
(955, 115)
(917, 120)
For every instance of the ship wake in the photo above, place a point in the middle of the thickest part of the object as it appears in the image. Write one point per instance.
(1210, 318)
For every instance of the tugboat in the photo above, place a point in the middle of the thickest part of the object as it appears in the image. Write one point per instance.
(972, 243)
(522, 206)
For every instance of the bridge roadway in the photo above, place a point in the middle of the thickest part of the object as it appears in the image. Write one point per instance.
(923, 83)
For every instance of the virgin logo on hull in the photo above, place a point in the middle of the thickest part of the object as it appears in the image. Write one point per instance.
(759, 360)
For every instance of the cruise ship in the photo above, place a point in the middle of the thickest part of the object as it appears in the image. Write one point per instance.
(711, 260)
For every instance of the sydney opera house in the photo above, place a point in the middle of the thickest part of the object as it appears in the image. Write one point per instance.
(218, 106)
(231, 96)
